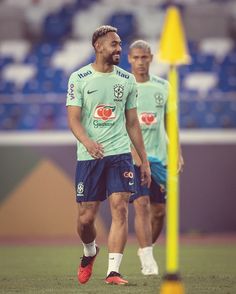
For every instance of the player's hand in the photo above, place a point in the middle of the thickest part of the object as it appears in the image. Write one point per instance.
(145, 174)
(135, 156)
(95, 149)
(180, 164)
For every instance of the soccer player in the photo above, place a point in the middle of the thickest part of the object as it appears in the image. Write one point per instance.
(101, 104)
(149, 204)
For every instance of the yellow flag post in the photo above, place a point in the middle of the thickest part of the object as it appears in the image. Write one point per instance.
(173, 51)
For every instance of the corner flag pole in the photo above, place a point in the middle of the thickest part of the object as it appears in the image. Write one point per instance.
(173, 51)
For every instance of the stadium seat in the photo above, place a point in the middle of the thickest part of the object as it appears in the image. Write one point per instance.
(146, 16)
(219, 47)
(56, 27)
(7, 87)
(201, 82)
(17, 49)
(72, 55)
(4, 61)
(93, 17)
(31, 87)
(18, 73)
(126, 24)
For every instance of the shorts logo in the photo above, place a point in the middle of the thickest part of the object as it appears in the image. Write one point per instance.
(80, 189)
(128, 174)
(105, 112)
(147, 118)
(118, 92)
(159, 99)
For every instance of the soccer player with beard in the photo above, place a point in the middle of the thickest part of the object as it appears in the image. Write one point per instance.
(101, 105)
(149, 203)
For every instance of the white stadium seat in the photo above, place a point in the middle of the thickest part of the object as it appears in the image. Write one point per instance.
(73, 54)
(19, 73)
(201, 82)
(219, 47)
(17, 49)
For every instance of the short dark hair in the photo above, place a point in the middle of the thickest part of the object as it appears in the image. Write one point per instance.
(102, 31)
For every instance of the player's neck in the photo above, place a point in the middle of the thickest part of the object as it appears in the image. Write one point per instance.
(142, 78)
(102, 67)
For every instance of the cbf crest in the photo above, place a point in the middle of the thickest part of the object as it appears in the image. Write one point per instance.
(159, 98)
(118, 92)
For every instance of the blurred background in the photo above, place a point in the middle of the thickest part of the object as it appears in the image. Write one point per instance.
(42, 42)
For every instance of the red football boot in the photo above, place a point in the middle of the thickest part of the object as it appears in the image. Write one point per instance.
(115, 278)
(86, 268)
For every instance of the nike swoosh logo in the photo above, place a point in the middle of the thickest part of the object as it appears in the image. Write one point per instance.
(131, 183)
(90, 92)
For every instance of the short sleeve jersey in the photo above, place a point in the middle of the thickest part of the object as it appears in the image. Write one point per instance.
(103, 98)
(151, 108)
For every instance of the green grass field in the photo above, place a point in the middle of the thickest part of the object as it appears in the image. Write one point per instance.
(205, 269)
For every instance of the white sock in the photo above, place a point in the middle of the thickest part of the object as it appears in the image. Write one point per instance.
(147, 250)
(90, 249)
(114, 260)
(146, 255)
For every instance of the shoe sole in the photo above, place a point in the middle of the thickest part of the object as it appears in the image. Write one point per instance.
(124, 282)
(113, 283)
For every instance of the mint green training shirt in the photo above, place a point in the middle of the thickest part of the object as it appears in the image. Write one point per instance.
(103, 98)
(151, 108)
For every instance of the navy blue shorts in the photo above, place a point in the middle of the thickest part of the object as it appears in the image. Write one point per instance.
(97, 179)
(157, 190)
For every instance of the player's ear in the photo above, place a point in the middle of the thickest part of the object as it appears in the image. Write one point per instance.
(129, 58)
(98, 46)
(151, 57)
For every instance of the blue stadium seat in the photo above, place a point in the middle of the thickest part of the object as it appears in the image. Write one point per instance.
(7, 87)
(4, 61)
(31, 87)
(126, 24)
(56, 27)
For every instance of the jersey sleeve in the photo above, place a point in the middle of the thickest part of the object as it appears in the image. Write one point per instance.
(132, 97)
(74, 93)
(172, 105)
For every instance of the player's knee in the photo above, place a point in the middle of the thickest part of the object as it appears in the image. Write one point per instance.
(120, 212)
(159, 213)
(86, 219)
(123, 212)
(142, 206)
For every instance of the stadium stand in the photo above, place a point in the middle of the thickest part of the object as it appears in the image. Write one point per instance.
(42, 42)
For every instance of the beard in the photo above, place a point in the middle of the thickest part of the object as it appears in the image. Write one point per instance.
(113, 60)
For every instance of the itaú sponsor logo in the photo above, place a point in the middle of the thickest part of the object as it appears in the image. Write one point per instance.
(147, 118)
(105, 112)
